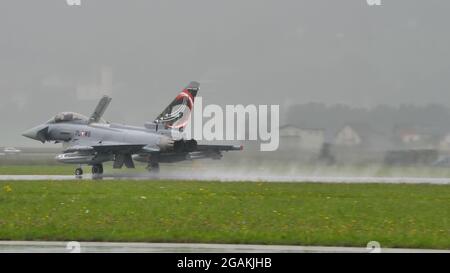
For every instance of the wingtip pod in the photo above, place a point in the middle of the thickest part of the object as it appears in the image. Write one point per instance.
(193, 88)
(237, 148)
(193, 85)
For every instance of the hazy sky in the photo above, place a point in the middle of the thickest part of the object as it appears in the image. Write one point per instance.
(54, 57)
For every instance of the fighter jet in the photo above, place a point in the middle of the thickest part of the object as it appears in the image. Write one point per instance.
(93, 141)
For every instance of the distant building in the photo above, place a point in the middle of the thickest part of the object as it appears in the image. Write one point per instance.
(301, 138)
(444, 143)
(348, 136)
(408, 136)
(417, 138)
(362, 136)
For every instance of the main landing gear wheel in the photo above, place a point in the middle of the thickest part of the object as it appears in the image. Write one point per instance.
(78, 172)
(97, 169)
(153, 167)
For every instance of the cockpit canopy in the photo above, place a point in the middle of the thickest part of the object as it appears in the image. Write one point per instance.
(69, 117)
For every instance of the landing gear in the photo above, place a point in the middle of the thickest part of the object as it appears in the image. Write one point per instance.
(97, 169)
(78, 172)
(153, 167)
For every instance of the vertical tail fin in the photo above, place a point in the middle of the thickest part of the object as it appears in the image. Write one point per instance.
(177, 114)
(100, 109)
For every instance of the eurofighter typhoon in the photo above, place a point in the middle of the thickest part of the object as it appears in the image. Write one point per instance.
(93, 141)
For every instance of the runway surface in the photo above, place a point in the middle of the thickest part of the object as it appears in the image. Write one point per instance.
(95, 247)
(238, 177)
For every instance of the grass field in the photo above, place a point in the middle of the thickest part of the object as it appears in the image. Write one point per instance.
(416, 216)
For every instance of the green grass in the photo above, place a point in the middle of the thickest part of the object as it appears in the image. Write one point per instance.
(211, 212)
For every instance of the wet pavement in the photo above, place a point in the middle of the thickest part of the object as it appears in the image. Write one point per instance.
(105, 247)
(235, 177)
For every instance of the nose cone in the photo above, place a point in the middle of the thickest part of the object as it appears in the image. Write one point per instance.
(36, 133)
(30, 133)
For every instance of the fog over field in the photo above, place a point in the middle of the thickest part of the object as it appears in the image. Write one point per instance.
(54, 57)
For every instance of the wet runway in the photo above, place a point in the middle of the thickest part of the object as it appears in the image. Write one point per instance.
(237, 177)
(96, 247)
